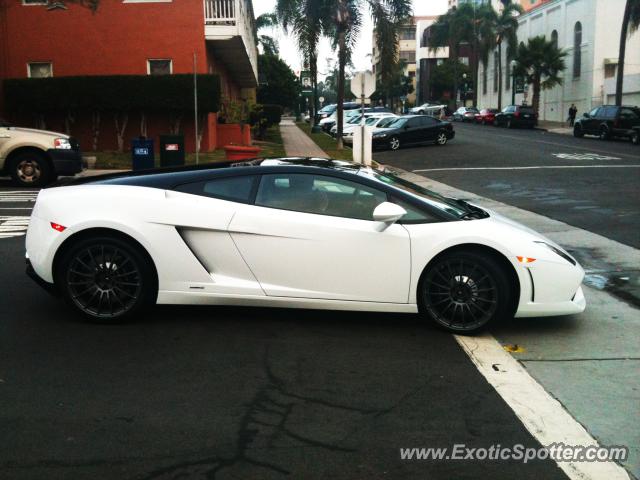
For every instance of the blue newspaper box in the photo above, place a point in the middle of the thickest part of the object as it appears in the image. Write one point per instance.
(142, 156)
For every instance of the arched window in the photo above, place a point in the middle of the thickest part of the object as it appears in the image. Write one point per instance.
(496, 59)
(577, 52)
(554, 38)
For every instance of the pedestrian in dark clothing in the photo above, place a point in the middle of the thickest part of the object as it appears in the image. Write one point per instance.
(573, 111)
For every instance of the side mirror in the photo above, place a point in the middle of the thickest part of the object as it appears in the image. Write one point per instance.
(388, 213)
(585, 115)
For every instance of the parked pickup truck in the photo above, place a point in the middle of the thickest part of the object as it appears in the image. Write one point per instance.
(34, 158)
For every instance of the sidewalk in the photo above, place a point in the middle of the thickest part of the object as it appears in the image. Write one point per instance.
(561, 128)
(297, 143)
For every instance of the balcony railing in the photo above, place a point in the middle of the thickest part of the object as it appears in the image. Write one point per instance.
(226, 19)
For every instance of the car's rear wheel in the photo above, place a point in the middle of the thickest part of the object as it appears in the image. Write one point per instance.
(394, 143)
(509, 123)
(463, 292)
(635, 138)
(577, 131)
(106, 278)
(30, 169)
(441, 138)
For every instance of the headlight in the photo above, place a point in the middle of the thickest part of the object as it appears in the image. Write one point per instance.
(62, 144)
(379, 135)
(558, 252)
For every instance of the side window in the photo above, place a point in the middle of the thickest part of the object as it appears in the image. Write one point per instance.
(318, 194)
(594, 112)
(610, 112)
(414, 122)
(234, 189)
(429, 121)
(628, 113)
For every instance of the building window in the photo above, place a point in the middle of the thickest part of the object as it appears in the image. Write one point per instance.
(496, 76)
(554, 38)
(408, 34)
(577, 50)
(408, 56)
(507, 75)
(610, 70)
(484, 79)
(159, 66)
(40, 70)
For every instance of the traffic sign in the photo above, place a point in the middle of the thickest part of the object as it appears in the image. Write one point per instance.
(363, 84)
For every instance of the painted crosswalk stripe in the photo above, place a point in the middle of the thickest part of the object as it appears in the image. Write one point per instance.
(14, 226)
(7, 196)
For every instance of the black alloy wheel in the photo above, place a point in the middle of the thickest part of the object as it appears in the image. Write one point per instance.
(577, 131)
(465, 291)
(107, 279)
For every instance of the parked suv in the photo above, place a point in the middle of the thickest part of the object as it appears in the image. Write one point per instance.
(608, 121)
(516, 116)
(35, 158)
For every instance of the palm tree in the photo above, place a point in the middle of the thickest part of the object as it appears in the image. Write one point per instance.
(269, 44)
(306, 20)
(461, 25)
(630, 23)
(505, 27)
(540, 62)
(346, 21)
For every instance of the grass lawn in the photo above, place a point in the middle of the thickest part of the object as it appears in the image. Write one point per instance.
(326, 143)
(271, 147)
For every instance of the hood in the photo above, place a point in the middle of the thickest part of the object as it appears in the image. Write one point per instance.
(39, 132)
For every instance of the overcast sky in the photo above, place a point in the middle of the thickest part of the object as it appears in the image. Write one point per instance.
(290, 54)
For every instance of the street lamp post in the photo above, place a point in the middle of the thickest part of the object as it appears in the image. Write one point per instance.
(463, 91)
(513, 82)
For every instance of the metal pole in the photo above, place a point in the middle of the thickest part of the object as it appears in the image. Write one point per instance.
(362, 119)
(195, 106)
(513, 87)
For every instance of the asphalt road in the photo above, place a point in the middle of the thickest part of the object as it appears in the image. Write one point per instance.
(234, 393)
(587, 183)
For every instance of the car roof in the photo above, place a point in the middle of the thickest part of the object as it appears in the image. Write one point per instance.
(168, 177)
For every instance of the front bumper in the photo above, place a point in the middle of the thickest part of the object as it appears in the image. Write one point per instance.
(66, 162)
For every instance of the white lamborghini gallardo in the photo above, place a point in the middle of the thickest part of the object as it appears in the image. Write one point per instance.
(292, 232)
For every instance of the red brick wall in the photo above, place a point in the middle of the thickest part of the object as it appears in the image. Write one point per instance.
(116, 40)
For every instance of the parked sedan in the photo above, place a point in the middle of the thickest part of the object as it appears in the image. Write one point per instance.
(374, 121)
(487, 116)
(413, 130)
(516, 116)
(293, 233)
(465, 114)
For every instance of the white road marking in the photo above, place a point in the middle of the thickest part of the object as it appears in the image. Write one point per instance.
(542, 415)
(18, 196)
(584, 156)
(536, 167)
(13, 226)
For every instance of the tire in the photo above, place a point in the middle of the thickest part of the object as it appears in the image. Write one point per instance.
(421, 112)
(441, 139)
(30, 169)
(465, 291)
(604, 133)
(107, 279)
(577, 131)
(635, 138)
(484, 122)
(394, 143)
(509, 123)
(496, 123)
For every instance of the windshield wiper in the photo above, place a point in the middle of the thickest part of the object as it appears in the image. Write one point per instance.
(471, 210)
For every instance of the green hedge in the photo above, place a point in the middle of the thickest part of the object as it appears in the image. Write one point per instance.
(112, 93)
(272, 113)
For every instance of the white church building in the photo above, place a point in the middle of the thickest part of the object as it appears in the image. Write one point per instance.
(589, 31)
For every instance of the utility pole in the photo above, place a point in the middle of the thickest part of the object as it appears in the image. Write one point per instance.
(195, 105)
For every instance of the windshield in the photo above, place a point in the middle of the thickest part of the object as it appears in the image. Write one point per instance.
(385, 122)
(445, 204)
(354, 119)
(372, 120)
(397, 123)
(327, 109)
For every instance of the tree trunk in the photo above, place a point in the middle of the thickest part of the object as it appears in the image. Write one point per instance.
(313, 67)
(95, 126)
(121, 127)
(143, 124)
(622, 52)
(342, 56)
(536, 96)
(69, 120)
(500, 75)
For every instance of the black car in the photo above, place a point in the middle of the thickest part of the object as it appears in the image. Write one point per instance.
(413, 130)
(516, 116)
(635, 136)
(608, 121)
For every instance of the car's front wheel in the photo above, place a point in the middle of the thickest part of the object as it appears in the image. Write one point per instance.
(635, 138)
(394, 143)
(106, 278)
(604, 133)
(577, 131)
(30, 169)
(463, 292)
(441, 138)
